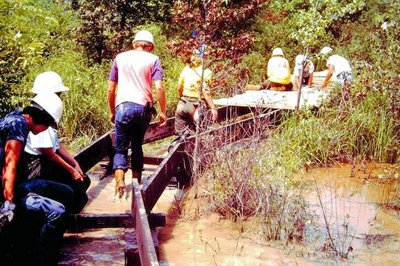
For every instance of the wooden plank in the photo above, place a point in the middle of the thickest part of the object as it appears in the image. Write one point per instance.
(95, 152)
(153, 159)
(154, 186)
(82, 221)
(155, 132)
(147, 252)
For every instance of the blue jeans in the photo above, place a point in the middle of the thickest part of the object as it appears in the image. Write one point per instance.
(130, 127)
(52, 190)
(50, 215)
(344, 77)
(48, 202)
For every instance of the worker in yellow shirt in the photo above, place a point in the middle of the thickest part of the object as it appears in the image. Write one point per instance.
(187, 111)
(279, 72)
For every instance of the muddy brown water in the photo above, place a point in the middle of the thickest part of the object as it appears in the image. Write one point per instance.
(351, 200)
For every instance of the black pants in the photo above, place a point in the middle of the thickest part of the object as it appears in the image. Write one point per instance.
(48, 170)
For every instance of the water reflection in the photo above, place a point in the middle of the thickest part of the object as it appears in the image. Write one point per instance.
(348, 207)
(351, 200)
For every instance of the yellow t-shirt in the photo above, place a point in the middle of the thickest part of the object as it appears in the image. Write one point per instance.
(191, 78)
(279, 70)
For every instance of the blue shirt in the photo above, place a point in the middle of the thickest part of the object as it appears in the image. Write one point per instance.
(12, 127)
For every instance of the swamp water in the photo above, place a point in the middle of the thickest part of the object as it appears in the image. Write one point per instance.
(351, 198)
(352, 212)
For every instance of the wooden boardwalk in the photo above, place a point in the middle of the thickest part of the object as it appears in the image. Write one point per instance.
(115, 233)
(309, 97)
(105, 245)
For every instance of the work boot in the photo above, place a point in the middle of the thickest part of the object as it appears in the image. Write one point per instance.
(120, 187)
(138, 175)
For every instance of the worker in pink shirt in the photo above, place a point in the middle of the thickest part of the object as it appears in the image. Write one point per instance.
(132, 106)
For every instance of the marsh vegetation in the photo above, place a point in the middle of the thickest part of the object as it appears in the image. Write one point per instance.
(257, 178)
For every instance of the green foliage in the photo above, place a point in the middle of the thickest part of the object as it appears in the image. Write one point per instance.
(24, 46)
(106, 27)
(313, 24)
(223, 27)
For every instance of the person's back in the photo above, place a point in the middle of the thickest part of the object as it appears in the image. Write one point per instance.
(340, 64)
(132, 106)
(278, 70)
(135, 76)
(188, 113)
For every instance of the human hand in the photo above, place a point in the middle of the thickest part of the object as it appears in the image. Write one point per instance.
(214, 114)
(78, 168)
(112, 118)
(77, 176)
(6, 213)
(163, 120)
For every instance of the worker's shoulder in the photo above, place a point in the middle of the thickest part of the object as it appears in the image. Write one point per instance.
(138, 56)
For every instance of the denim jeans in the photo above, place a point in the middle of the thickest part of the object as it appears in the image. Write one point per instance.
(40, 167)
(344, 77)
(48, 243)
(52, 190)
(130, 127)
(48, 202)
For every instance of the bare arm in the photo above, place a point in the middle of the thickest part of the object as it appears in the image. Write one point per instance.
(13, 152)
(161, 100)
(310, 79)
(181, 82)
(112, 85)
(328, 76)
(209, 100)
(69, 159)
(54, 157)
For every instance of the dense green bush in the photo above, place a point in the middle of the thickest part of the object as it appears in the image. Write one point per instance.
(30, 33)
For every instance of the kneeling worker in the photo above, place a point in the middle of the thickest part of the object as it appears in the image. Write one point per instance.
(279, 72)
(338, 66)
(306, 65)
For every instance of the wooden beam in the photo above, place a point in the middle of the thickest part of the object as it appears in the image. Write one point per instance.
(155, 132)
(95, 152)
(154, 186)
(153, 159)
(78, 222)
(83, 221)
(147, 251)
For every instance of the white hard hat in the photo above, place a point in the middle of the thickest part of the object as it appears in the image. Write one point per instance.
(300, 58)
(144, 35)
(50, 103)
(277, 51)
(48, 82)
(326, 50)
